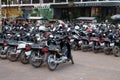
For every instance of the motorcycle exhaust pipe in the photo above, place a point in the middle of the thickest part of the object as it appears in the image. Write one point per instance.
(57, 62)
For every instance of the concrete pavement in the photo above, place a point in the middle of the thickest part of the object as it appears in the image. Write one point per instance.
(88, 66)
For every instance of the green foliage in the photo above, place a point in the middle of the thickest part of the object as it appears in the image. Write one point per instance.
(94, 15)
(46, 13)
(5, 1)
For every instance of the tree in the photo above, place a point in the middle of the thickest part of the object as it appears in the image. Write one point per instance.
(5, 1)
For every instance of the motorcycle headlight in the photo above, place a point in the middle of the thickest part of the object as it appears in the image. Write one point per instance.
(37, 35)
(8, 34)
(18, 35)
(28, 34)
(38, 39)
(51, 36)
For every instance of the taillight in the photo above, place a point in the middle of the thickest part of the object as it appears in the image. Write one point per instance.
(4, 43)
(27, 48)
(44, 50)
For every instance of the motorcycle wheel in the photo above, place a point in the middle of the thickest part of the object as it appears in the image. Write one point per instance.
(74, 47)
(11, 57)
(83, 48)
(50, 62)
(33, 62)
(107, 51)
(23, 58)
(95, 50)
(116, 51)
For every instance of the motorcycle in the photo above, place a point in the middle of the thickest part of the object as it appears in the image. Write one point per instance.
(3, 49)
(38, 55)
(76, 42)
(25, 53)
(57, 55)
(108, 46)
(98, 43)
(12, 51)
(116, 48)
(86, 44)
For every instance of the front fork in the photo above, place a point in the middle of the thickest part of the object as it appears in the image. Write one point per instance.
(5, 49)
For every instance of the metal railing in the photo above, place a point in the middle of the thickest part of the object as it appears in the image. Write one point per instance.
(65, 2)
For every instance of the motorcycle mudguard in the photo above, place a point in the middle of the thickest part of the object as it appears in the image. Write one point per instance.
(28, 53)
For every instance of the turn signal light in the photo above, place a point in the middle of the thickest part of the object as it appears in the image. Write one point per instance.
(44, 50)
(4, 43)
(28, 48)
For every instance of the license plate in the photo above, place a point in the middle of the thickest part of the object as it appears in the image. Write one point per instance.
(75, 36)
(102, 44)
(28, 53)
(111, 44)
(90, 43)
(71, 40)
(80, 42)
(18, 51)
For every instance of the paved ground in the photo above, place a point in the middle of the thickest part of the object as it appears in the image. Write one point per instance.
(88, 66)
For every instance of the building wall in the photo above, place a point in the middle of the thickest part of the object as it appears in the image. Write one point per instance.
(65, 11)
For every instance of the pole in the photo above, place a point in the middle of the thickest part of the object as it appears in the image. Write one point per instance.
(0, 16)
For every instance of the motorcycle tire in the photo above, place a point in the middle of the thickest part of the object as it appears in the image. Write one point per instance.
(95, 50)
(23, 58)
(34, 63)
(11, 57)
(74, 47)
(107, 51)
(51, 65)
(83, 48)
(116, 51)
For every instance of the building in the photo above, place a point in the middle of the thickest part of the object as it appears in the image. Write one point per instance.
(66, 9)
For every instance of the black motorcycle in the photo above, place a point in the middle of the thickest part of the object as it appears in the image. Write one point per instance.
(38, 55)
(3, 49)
(58, 53)
(116, 48)
(12, 51)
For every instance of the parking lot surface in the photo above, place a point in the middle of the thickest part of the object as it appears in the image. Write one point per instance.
(88, 66)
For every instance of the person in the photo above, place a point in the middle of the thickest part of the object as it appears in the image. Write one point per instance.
(68, 54)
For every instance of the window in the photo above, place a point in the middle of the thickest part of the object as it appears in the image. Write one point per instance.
(36, 1)
(48, 1)
(26, 1)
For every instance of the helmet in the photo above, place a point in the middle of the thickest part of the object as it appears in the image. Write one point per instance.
(77, 27)
(89, 30)
(38, 25)
(51, 36)
(60, 25)
(42, 28)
